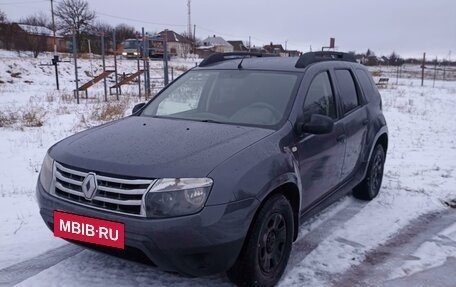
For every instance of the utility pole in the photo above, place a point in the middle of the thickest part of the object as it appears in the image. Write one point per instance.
(194, 33)
(104, 66)
(55, 60)
(194, 39)
(422, 69)
(250, 43)
(145, 54)
(138, 49)
(435, 72)
(189, 31)
(53, 26)
(165, 59)
(114, 45)
(75, 55)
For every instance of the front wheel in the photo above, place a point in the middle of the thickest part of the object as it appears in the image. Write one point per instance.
(267, 247)
(368, 189)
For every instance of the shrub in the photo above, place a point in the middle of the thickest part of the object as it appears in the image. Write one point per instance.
(109, 111)
(8, 118)
(33, 117)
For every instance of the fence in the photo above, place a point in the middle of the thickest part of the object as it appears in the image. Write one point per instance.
(432, 73)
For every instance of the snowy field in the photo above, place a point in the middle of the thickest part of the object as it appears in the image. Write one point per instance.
(405, 237)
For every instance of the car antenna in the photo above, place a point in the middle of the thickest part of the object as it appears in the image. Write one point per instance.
(240, 63)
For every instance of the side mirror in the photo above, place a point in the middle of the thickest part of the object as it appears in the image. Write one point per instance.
(318, 124)
(137, 108)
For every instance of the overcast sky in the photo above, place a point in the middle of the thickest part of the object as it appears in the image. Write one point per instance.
(409, 27)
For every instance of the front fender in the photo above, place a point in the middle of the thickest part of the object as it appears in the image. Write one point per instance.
(257, 170)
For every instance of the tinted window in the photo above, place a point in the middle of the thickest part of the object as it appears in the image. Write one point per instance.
(227, 96)
(320, 98)
(347, 88)
(367, 84)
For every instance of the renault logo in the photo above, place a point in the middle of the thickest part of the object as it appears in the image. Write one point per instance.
(90, 186)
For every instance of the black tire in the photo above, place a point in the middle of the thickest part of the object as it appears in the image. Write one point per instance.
(370, 186)
(267, 247)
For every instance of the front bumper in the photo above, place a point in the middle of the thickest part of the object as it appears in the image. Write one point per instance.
(201, 244)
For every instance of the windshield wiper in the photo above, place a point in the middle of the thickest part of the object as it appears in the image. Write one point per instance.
(210, 121)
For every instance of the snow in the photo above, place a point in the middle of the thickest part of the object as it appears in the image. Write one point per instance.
(36, 30)
(420, 175)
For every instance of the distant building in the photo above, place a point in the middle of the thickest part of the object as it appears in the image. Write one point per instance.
(276, 49)
(25, 37)
(293, 53)
(238, 46)
(217, 44)
(177, 44)
(255, 49)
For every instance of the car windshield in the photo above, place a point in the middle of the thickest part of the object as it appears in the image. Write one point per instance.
(240, 97)
(131, 44)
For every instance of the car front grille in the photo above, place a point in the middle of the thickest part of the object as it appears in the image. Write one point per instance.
(119, 195)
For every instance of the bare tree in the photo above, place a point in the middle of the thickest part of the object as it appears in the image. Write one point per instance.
(38, 19)
(6, 32)
(36, 33)
(395, 60)
(96, 30)
(124, 31)
(370, 53)
(101, 28)
(3, 18)
(74, 14)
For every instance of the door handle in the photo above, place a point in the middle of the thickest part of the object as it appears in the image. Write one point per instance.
(365, 122)
(341, 138)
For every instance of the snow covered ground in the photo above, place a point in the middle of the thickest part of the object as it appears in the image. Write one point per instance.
(402, 238)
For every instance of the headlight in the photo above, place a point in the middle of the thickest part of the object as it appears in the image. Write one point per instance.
(46, 172)
(135, 53)
(170, 197)
(124, 53)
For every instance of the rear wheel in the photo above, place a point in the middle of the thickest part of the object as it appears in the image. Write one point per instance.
(368, 189)
(267, 248)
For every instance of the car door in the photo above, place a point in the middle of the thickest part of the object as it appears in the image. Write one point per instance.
(320, 156)
(355, 119)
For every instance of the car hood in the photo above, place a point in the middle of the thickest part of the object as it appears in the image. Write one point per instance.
(155, 147)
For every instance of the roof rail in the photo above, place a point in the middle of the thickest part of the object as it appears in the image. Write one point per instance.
(219, 57)
(314, 57)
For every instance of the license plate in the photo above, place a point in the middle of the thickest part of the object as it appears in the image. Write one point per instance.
(88, 229)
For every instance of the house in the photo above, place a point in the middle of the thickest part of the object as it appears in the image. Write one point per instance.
(46, 34)
(177, 44)
(255, 49)
(276, 49)
(30, 37)
(218, 44)
(238, 46)
(293, 53)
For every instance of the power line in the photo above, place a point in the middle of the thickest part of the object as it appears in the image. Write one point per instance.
(171, 25)
(139, 21)
(23, 2)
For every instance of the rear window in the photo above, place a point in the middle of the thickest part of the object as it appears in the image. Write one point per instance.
(347, 88)
(367, 84)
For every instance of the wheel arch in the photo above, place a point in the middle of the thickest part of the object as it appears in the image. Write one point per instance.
(291, 192)
(383, 140)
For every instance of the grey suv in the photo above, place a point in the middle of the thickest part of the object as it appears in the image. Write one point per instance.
(218, 170)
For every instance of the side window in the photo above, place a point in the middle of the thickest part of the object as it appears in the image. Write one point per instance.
(347, 88)
(320, 98)
(367, 84)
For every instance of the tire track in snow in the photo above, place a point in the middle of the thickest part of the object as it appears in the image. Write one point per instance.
(381, 261)
(305, 245)
(21, 271)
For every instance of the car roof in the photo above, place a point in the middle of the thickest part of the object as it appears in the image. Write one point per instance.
(268, 63)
